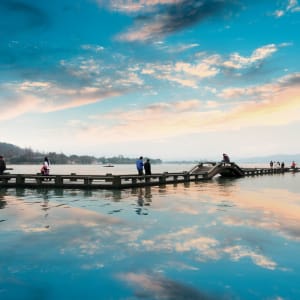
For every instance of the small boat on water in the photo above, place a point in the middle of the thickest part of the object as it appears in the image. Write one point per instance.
(108, 166)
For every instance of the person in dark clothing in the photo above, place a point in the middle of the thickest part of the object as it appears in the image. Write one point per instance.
(2, 165)
(147, 167)
(226, 158)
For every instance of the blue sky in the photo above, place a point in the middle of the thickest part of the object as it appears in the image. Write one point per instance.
(170, 79)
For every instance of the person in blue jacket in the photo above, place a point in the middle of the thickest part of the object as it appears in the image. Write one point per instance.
(140, 165)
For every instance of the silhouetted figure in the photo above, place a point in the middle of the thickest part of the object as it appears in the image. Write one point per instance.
(271, 164)
(293, 165)
(226, 158)
(2, 165)
(147, 167)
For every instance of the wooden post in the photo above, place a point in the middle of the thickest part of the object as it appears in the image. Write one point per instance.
(87, 181)
(116, 182)
(108, 179)
(20, 179)
(58, 180)
(186, 176)
(39, 180)
(73, 179)
(162, 179)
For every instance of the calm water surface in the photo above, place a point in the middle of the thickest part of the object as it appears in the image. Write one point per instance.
(222, 239)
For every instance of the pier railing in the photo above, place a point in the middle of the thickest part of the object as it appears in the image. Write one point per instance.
(109, 181)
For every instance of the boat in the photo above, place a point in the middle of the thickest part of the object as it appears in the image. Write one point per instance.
(108, 166)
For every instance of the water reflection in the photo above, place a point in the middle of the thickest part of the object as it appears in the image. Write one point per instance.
(2, 202)
(187, 235)
(156, 286)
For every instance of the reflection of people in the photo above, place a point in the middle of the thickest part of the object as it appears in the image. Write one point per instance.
(147, 167)
(2, 165)
(226, 158)
(140, 165)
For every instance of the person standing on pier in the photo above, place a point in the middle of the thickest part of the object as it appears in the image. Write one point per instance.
(2, 165)
(140, 165)
(147, 167)
(271, 164)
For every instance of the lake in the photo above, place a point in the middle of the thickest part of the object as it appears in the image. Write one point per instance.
(221, 239)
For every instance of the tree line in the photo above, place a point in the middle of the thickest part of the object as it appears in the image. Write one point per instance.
(16, 155)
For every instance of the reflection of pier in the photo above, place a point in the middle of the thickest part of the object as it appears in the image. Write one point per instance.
(202, 171)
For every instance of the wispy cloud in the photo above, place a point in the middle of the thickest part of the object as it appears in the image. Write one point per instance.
(43, 97)
(165, 119)
(291, 6)
(206, 66)
(236, 61)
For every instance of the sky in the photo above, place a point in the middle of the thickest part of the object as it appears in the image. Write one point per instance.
(168, 79)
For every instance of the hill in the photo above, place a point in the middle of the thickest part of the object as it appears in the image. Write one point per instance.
(16, 155)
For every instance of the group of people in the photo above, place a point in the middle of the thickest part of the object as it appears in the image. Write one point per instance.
(45, 169)
(278, 165)
(142, 165)
(274, 164)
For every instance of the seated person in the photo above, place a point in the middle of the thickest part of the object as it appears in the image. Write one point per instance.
(44, 170)
(226, 158)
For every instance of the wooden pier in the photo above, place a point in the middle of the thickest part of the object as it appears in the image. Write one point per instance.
(201, 172)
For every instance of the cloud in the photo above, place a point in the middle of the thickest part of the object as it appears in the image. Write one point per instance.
(186, 74)
(205, 66)
(95, 48)
(42, 97)
(240, 108)
(84, 81)
(292, 6)
(156, 19)
(237, 61)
